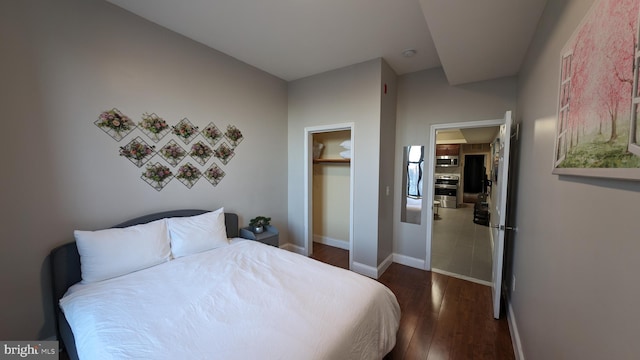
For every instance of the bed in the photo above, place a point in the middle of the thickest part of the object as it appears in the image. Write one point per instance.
(238, 300)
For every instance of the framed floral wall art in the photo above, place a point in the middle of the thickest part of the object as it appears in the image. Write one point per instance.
(598, 100)
(211, 133)
(172, 153)
(157, 175)
(214, 174)
(185, 130)
(156, 129)
(234, 135)
(153, 126)
(115, 123)
(188, 175)
(200, 152)
(138, 151)
(224, 153)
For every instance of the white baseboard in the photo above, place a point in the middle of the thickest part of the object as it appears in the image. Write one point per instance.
(293, 248)
(515, 335)
(365, 270)
(342, 244)
(408, 261)
(360, 268)
(384, 265)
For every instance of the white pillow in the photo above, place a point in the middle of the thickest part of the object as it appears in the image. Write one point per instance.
(345, 154)
(108, 253)
(194, 234)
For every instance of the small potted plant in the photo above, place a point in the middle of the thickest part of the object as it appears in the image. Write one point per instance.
(258, 223)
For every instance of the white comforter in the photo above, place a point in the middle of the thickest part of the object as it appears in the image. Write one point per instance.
(242, 301)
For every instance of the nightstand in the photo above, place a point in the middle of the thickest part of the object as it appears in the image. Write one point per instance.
(269, 236)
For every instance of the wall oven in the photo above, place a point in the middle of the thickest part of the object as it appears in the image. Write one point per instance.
(446, 190)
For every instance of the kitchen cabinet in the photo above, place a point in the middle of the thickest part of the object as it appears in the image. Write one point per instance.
(448, 150)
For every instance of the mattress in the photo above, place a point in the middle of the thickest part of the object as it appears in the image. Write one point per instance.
(242, 301)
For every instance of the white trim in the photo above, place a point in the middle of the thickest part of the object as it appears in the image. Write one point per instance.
(462, 277)
(307, 198)
(341, 244)
(308, 183)
(613, 173)
(408, 261)
(370, 271)
(365, 270)
(384, 265)
(357, 267)
(429, 171)
(634, 142)
(515, 335)
(293, 248)
(429, 174)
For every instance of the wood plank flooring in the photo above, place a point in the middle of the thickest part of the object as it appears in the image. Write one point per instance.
(442, 317)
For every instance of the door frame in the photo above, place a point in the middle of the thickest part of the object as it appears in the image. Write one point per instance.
(308, 183)
(430, 183)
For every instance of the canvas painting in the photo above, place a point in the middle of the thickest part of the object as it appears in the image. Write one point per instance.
(598, 107)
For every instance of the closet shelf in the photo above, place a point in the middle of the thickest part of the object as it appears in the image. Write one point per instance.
(341, 161)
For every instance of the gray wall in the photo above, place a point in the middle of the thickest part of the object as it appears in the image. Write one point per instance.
(426, 98)
(65, 61)
(388, 108)
(350, 94)
(577, 249)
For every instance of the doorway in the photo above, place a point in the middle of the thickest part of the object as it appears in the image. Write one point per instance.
(456, 244)
(474, 178)
(331, 170)
(498, 202)
(331, 158)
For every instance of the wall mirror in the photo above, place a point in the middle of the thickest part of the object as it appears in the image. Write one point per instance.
(412, 175)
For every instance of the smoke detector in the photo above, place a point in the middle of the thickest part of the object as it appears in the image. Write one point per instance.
(409, 52)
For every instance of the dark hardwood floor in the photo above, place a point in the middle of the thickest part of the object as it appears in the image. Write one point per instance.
(442, 317)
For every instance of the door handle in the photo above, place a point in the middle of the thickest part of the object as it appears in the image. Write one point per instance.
(503, 228)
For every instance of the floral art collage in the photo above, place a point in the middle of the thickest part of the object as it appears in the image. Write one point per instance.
(186, 141)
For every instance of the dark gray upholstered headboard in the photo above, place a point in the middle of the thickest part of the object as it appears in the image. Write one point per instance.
(65, 263)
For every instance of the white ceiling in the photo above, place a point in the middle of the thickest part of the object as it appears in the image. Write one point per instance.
(483, 135)
(291, 39)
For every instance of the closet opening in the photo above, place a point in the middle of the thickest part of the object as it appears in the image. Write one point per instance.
(329, 192)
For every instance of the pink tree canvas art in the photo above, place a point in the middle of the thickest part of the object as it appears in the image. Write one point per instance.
(596, 120)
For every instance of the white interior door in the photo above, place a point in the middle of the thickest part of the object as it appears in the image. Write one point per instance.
(499, 211)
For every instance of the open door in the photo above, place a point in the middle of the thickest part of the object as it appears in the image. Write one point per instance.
(499, 210)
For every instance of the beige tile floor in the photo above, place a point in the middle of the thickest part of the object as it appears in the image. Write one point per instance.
(459, 245)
